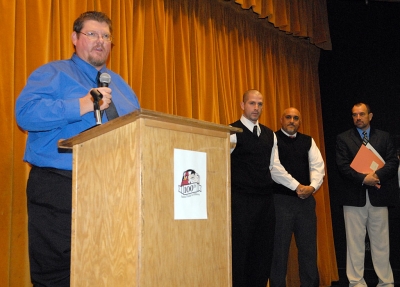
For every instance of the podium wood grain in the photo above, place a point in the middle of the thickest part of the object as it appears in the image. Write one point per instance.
(123, 227)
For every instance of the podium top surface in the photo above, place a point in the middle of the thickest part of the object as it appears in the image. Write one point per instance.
(138, 114)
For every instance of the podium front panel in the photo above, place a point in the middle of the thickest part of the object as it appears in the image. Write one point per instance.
(123, 229)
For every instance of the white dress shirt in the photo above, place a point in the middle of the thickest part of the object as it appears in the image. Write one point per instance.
(316, 163)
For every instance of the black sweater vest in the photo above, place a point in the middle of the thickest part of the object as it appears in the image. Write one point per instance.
(250, 161)
(293, 155)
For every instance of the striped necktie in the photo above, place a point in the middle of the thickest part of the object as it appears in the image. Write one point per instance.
(365, 138)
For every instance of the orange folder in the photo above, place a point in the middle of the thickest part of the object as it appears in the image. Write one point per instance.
(366, 161)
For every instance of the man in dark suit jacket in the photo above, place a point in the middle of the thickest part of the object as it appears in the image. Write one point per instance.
(365, 198)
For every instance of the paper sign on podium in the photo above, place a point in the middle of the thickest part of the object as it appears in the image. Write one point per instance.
(367, 159)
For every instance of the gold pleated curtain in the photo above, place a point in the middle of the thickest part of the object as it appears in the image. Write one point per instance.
(189, 58)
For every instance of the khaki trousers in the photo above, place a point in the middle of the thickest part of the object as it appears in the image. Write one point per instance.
(358, 220)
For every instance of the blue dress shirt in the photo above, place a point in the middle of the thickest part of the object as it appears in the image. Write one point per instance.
(48, 108)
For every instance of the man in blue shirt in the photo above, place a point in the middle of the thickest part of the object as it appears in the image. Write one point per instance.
(55, 104)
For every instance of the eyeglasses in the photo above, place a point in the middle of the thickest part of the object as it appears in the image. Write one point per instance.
(95, 36)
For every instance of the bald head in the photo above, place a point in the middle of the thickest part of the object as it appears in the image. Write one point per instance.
(290, 120)
(252, 105)
(249, 93)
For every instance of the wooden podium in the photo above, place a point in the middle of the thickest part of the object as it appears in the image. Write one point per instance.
(123, 227)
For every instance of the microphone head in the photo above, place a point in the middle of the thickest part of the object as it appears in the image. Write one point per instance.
(105, 79)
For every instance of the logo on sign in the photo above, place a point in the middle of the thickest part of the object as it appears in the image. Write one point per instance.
(190, 184)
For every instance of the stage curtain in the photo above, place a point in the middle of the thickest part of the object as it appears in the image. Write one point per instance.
(189, 58)
(301, 18)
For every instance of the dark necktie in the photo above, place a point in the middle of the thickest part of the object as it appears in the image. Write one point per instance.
(111, 111)
(365, 138)
(255, 131)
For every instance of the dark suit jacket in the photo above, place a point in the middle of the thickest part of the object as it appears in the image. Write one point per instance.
(352, 191)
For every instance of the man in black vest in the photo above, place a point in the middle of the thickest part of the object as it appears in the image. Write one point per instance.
(254, 166)
(295, 212)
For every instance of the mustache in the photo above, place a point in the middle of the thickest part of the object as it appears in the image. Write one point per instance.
(100, 45)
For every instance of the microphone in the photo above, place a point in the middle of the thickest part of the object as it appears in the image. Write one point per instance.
(111, 111)
(97, 96)
(104, 80)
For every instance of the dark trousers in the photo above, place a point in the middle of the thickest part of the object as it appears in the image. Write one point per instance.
(49, 227)
(253, 224)
(295, 216)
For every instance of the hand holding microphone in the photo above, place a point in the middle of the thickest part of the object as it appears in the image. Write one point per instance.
(101, 100)
(97, 96)
(111, 111)
(101, 95)
(103, 91)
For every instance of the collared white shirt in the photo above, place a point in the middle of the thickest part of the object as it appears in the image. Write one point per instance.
(278, 172)
(316, 163)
